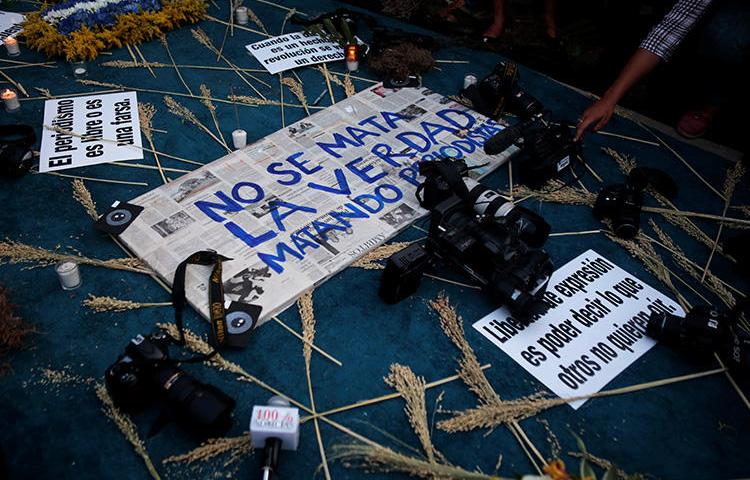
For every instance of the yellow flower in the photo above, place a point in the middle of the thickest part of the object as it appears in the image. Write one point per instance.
(556, 470)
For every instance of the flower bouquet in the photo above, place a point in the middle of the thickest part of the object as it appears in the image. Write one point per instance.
(79, 30)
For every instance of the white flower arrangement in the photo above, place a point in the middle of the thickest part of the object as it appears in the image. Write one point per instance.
(54, 16)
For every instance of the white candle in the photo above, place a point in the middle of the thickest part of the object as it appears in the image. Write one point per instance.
(241, 15)
(239, 138)
(69, 275)
(10, 99)
(469, 80)
(352, 66)
(11, 45)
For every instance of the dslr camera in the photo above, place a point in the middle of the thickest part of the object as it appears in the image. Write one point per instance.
(474, 230)
(499, 92)
(145, 374)
(705, 330)
(621, 203)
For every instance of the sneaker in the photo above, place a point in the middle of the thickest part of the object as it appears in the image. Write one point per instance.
(695, 123)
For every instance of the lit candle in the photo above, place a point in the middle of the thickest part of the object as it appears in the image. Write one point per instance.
(11, 44)
(352, 57)
(69, 275)
(10, 99)
(239, 138)
(79, 69)
(241, 15)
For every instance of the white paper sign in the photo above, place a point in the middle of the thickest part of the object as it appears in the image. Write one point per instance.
(294, 50)
(108, 129)
(10, 25)
(594, 329)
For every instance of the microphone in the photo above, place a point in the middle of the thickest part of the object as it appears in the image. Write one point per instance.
(274, 427)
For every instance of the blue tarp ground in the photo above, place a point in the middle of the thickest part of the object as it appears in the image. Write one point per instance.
(693, 430)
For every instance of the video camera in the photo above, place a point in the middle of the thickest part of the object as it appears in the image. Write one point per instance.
(145, 373)
(496, 243)
(705, 330)
(546, 149)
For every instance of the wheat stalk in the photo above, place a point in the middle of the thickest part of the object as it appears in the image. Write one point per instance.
(382, 459)
(713, 282)
(298, 91)
(559, 193)
(201, 37)
(165, 44)
(44, 91)
(349, 86)
(183, 112)
(127, 427)
(730, 182)
(146, 113)
(239, 447)
(17, 252)
(307, 316)
(83, 196)
(369, 260)
(206, 101)
(130, 64)
(412, 390)
(111, 304)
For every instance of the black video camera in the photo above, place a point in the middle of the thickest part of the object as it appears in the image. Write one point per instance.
(494, 242)
(546, 150)
(705, 330)
(145, 373)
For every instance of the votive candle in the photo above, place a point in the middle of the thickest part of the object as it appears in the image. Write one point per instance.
(69, 275)
(10, 99)
(239, 138)
(241, 15)
(11, 45)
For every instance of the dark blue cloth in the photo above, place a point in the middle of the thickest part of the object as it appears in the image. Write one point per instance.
(693, 430)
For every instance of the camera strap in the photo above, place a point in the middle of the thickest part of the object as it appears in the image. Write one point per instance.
(509, 75)
(215, 295)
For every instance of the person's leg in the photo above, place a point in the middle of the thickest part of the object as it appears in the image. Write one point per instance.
(723, 45)
(550, 7)
(498, 22)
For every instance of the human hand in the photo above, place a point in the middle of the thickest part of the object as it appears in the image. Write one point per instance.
(597, 114)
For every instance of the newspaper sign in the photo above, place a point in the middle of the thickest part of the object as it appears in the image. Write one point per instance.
(301, 204)
(594, 329)
(11, 24)
(294, 50)
(103, 129)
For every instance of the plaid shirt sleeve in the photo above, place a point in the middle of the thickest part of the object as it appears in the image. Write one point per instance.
(667, 35)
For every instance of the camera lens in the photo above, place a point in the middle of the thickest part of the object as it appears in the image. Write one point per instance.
(202, 409)
(127, 386)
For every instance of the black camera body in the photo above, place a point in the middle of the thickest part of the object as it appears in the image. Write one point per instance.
(621, 204)
(705, 330)
(499, 92)
(546, 150)
(145, 374)
(474, 230)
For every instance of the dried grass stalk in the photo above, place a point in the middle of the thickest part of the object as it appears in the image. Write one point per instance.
(382, 459)
(349, 86)
(17, 252)
(558, 192)
(206, 101)
(201, 37)
(469, 370)
(83, 196)
(111, 304)
(307, 315)
(712, 281)
(642, 249)
(237, 447)
(186, 114)
(297, 90)
(165, 44)
(146, 113)
(745, 209)
(44, 91)
(412, 388)
(127, 427)
(607, 465)
(369, 260)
